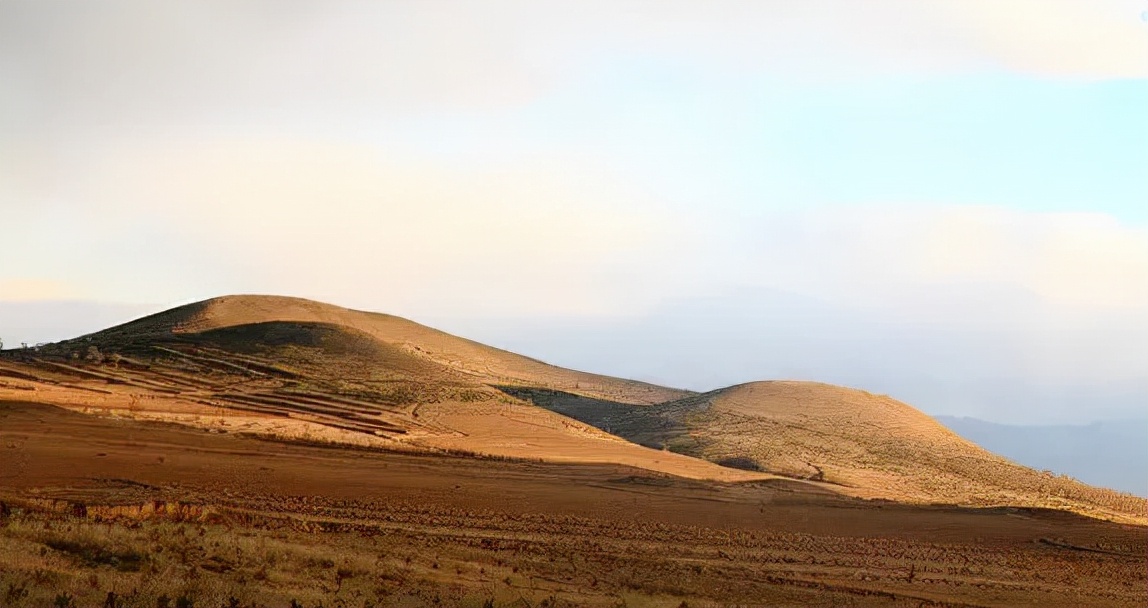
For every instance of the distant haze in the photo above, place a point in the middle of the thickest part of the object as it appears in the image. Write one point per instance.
(38, 321)
(1111, 454)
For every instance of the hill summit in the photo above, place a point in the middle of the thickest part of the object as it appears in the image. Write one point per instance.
(229, 320)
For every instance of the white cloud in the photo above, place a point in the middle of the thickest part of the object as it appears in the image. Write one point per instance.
(25, 289)
(1088, 39)
(65, 67)
(961, 265)
(873, 296)
(348, 223)
(345, 223)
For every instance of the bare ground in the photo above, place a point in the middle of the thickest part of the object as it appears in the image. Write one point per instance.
(212, 517)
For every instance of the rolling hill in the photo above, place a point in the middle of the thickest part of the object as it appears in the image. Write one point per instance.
(863, 444)
(304, 370)
(441, 355)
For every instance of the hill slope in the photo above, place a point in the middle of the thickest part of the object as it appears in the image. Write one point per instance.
(306, 370)
(299, 369)
(865, 444)
(458, 357)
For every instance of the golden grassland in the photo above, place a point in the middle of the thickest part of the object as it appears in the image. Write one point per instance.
(318, 553)
(324, 457)
(156, 513)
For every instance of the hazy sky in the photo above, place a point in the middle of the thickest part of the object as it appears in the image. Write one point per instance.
(943, 201)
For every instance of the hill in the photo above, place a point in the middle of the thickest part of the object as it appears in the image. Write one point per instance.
(91, 505)
(864, 444)
(304, 370)
(455, 357)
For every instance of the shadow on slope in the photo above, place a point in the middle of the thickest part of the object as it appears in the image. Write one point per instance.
(643, 425)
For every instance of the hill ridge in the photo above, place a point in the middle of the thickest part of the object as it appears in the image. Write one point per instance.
(462, 354)
(301, 367)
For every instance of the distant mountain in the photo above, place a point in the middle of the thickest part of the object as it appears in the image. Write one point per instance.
(1112, 454)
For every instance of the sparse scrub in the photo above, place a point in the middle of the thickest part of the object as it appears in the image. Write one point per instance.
(309, 551)
(93, 355)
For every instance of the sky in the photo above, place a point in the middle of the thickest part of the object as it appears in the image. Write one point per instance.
(946, 202)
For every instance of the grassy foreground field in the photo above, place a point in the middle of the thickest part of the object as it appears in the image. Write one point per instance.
(113, 512)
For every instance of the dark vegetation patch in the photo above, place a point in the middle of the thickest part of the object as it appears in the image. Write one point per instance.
(651, 426)
(744, 463)
(94, 555)
(254, 337)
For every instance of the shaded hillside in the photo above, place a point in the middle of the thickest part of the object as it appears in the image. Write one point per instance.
(866, 444)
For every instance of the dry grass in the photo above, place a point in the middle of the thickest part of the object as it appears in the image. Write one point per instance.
(45, 556)
(313, 372)
(876, 444)
(151, 564)
(267, 523)
(321, 384)
(861, 444)
(317, 553)
(423, 346)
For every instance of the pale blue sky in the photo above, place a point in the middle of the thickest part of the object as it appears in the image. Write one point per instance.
(1012, 140)
(942, 200)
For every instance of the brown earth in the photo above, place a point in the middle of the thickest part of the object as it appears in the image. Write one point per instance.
(334, 455)
(143, 509)
(498, 426)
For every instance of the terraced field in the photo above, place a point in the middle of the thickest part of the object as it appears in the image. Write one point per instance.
(215, 378)
(309, 371)
(320, 382)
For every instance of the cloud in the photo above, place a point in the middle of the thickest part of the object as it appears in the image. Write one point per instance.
(347, 223)
(962, 309)
(594, 160)
(68, 66)
(1066, 38)
(551, 235)
(25, 289)
(65, 66)
(969, 265)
